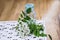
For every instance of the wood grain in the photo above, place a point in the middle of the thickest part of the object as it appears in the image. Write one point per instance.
(10, 9)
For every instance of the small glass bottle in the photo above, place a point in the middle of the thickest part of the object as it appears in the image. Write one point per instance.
(33, 13)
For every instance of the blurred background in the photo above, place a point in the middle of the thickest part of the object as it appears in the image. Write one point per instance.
(10, 9)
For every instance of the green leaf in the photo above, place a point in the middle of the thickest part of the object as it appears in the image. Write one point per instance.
(23, 13)
(28, 10)
(41, 28)
(43, 35)
(27, 18)
(32, 27)
(37, 33)
(50, 37)
(38, 27)
(24, 20)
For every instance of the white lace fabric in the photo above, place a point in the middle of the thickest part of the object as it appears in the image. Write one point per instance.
(7, 33)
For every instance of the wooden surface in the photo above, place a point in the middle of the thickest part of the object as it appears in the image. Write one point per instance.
(10, 10)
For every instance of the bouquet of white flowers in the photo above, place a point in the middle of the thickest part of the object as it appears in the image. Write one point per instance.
(29, 26)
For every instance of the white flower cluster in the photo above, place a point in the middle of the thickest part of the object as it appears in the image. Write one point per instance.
(23, 29)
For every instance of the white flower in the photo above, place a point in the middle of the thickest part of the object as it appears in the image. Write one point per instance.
(24, 27)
